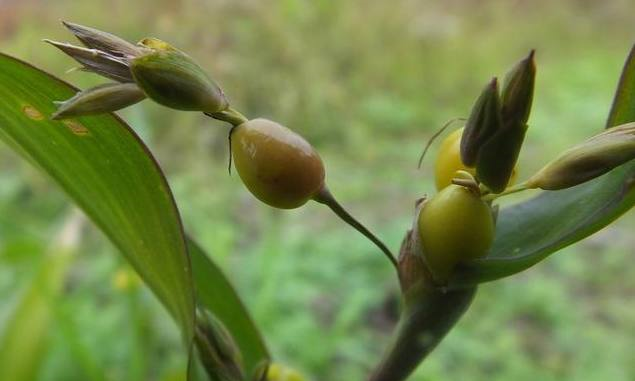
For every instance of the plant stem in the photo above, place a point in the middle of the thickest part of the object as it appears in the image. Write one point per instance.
(515, 189)
(424, 323)
(230, 116)
(325, 197)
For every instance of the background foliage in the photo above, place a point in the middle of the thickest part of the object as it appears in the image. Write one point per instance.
(367, 82)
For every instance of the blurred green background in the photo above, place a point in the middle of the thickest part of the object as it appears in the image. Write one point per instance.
(367, 82)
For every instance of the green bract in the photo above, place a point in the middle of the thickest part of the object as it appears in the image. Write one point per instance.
(171, 78)
(218, 350)
(518, 91)
(100, 99)
(497, 158)
(162, 73)
(588, 160)
(484, 121)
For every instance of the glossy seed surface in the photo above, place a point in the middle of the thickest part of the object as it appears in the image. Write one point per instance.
(277, 165)
(455, 225)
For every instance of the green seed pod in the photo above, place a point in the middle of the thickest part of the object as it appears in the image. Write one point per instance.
(277, 165)
(518, 91)
(171, 78)
(100, 99)
(588, 160)
(454, 226)
(484, 121)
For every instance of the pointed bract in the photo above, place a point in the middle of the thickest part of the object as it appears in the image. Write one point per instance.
(588, 160)
(104, 41)
(99, 62)
(219, 352)
(518, 91)
(498, 156)
(484, 121)
(100, 99)
(165, 74)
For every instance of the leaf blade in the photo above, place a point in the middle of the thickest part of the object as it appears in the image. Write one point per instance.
(623, 107)
(108, 171)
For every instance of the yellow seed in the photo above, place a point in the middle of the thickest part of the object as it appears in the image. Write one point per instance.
(277, 165)
(275, 372)
(449, 161)
(125, 279)
(293, 375)
(278, 372)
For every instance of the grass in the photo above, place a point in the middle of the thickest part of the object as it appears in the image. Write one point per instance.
(367, 83)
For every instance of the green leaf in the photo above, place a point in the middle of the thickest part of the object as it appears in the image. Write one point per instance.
(216, 294)
(529, 232)
(102, 164)
(106, 169)
(623, 108)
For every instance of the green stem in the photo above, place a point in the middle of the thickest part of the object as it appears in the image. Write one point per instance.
(515, 189)
(424, 323)
(325, 197)
(230, 116)
(234, 118)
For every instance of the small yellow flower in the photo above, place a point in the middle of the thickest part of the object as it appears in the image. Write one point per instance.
(125, 279)
(279, 372)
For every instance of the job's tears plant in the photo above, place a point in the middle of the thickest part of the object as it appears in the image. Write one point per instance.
(459, 237)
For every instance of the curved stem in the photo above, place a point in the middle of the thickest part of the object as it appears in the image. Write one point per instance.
(234, 118)
(325, 197)
(515, 189)
(229, 144)
(230, 116)
(434, 137)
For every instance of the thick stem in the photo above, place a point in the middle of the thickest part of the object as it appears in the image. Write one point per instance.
(230, 116)
(430, 311)
(325, 197)
(425, 321)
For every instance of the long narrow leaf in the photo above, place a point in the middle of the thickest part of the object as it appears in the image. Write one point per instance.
(217, 295)
(106, 169)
